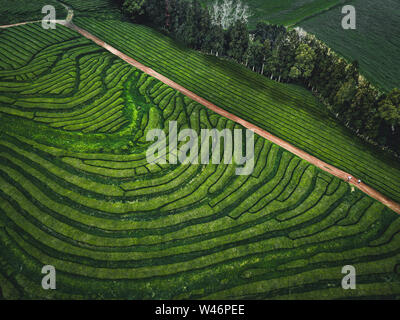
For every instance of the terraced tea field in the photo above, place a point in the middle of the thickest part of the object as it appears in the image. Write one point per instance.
(375, 43)
(16, 11)
(99, 8)
(78, 193)
(289, 112)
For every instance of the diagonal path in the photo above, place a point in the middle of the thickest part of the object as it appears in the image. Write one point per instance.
(17, 24)
(298, 152)
(287, 146)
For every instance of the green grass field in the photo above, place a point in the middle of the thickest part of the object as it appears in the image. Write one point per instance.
(100, 8)
(285, 12)
(24, 10)
(78, 193)
(375, 43)
(287, 111)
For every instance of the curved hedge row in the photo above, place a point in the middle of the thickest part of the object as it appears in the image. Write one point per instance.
(97, 8)
(17, 11)
(115, 226)
(287, 111)
(65, 81)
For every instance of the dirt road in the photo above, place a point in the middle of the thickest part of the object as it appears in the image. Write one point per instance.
(17, 24)
(298, 152)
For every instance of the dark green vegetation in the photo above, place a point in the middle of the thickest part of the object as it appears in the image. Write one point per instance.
(285, 12)
(99, 8)
(289, 56)
(78, 193)
(14, 11)
(287, 111)
(375, 43)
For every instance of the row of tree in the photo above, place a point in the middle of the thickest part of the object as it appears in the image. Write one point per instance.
(280, 54)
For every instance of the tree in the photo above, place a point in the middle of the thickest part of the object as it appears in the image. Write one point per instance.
(304, 65)
(272, 64)
(363, 114)
(238, 41)
(172, 19)
(215, 39)
(389, 108)
(266, 52)
(352, 71)
(201, 24)
(227, 12)
(336, 76)
(269, 32)
(135, 8)
(205, 27)
(345, 96)
(286, 45)
(155, 12)
(186, 31)
(255, 55)
(320, 75)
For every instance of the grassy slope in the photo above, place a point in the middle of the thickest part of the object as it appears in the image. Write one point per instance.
(286, 12)
(375, 43)
(116, 227)
(289, 112)
(98, 8)
(25, 10)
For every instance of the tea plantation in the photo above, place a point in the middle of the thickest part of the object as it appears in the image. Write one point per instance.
(287, 111)
(77, 192)
(16, 11)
